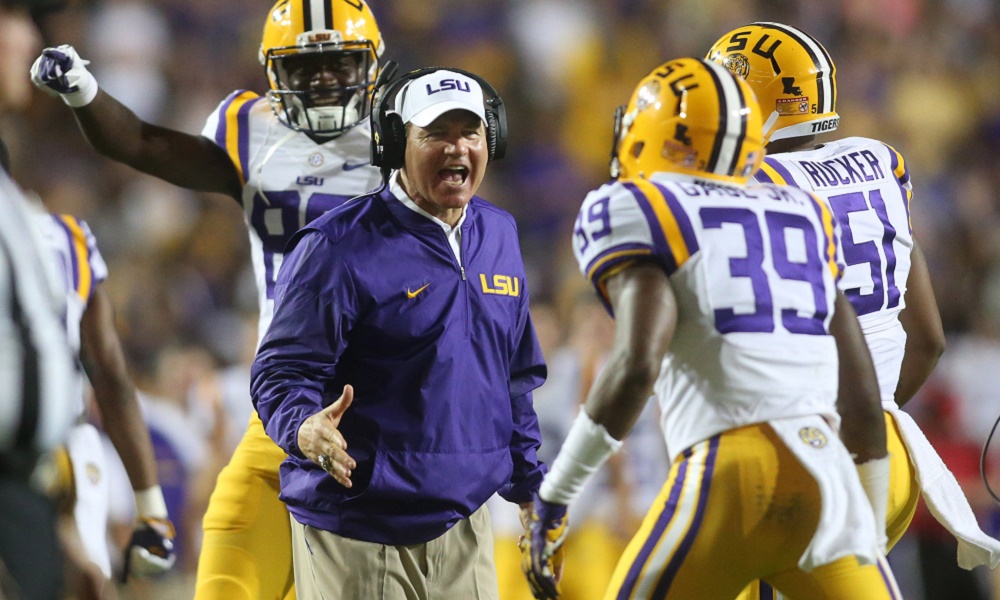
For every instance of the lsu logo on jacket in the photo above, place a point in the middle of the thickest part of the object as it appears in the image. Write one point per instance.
(502, 285)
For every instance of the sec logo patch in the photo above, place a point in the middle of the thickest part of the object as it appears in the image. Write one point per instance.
(812, 436)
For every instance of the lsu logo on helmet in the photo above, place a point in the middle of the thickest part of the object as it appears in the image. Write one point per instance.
(791, 74)
(300, 35)
(689, 116)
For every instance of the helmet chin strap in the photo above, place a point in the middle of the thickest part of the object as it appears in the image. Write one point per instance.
(327, 118)
(324, 118)
(769, 124)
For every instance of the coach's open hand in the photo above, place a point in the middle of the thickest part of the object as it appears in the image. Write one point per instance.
(321, 441)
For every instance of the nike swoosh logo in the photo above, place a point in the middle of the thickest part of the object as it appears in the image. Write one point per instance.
(413, 294)
(351, 166)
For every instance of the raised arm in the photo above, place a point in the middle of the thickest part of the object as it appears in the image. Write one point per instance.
(921, 320)
(189, 161)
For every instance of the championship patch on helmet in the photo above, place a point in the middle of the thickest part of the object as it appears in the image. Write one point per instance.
(738, 64)
(677, 153)
(812, 436)
(792, 106)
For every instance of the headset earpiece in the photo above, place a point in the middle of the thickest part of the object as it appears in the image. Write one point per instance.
(394, 145)
(491, 133)
(496, 121)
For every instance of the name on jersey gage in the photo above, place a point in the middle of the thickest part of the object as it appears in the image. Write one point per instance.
(856, 167)
(709, 188)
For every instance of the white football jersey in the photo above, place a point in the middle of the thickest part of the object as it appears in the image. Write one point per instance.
(80, 267)
(867, 186)
(754, 270)
(288, 179)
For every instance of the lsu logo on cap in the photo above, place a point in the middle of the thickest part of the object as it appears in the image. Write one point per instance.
(449, 84)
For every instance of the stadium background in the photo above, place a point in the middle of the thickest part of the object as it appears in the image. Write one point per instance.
(919, 74)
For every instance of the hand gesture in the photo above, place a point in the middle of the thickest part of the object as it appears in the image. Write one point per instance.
(60, 71)
(542, 551)
(151, 549)
(321, 441)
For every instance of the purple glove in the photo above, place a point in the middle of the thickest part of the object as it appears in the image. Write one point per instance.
(61, 71)
(542, 552)
(151, 550)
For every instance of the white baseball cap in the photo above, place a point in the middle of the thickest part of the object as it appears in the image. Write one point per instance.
(427, 98)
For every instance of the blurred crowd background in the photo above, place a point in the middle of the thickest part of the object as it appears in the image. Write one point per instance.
(921, 75)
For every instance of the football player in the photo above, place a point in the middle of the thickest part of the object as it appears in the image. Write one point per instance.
(726, 305)
(867, 186)
(286, 157)
(91, 329)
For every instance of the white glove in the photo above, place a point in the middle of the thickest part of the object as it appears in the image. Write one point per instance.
(874, 476)
(151, 549)
(60, 71)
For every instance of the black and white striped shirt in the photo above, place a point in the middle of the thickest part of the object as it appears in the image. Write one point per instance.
(36, 365)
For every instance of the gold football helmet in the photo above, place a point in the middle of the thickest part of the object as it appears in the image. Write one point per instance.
(689, 116)
(790, 72)
(321, 58)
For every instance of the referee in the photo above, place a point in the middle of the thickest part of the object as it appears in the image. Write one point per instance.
(36, 364)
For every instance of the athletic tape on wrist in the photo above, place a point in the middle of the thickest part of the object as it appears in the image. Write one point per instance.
(85, 94)
(150, 503)
(874, 476)
(587, 447)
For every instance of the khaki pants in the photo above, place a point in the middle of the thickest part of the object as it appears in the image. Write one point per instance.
(458, 565)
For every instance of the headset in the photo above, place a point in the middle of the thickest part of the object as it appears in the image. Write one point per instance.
(388, 148)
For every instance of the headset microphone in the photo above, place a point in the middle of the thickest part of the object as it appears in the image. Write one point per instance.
(386, 75)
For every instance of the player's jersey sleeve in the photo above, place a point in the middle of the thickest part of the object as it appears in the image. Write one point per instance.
(902, 173)
(773, 171)
(85, 267)
(832, 253)
(629, 221)
(229, 127)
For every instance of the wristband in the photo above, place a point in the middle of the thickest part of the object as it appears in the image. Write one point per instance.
(587, 447)
(874, 476)
(85, 94)
(149, 503)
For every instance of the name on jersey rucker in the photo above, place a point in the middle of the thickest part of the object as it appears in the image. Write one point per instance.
(709, 188)
(856, 167)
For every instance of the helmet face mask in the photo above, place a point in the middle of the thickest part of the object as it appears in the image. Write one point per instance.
(689, 116)
(791, 74)
(321, 78)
